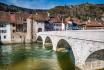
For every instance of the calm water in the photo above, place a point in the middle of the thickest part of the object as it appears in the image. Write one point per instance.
(33, 57)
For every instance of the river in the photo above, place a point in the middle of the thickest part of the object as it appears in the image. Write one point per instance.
(33, 57)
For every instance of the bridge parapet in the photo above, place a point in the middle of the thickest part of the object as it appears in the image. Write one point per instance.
(93, 35)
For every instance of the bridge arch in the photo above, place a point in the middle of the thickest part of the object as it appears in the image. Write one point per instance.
(62, 43)
(64, 46)
(39, 39)
(93, 50)
(96, 55)
(48, 42)
(95, 58)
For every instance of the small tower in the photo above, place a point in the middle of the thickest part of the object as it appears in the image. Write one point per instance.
(29, 30)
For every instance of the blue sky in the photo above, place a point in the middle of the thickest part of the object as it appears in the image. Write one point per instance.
(47, 4)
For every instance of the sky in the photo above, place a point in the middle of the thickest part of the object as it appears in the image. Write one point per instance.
(47, 4)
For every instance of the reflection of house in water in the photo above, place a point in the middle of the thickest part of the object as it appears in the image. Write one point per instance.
(11, 53)
(5, 54)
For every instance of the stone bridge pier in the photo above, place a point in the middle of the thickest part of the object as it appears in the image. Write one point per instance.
(87, 46)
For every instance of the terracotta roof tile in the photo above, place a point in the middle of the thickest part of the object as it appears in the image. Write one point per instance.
(13, 17)
(39, 17)
(55, 19)
(4, 17)
(94, 23)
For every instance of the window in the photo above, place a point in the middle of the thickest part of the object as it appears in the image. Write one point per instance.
(11, 13)
(2, 25)
(24, 19)
(4, 37)
(12, 37)
(4, 31)
(13, 24)
(0, 31)
(39, 29)
(0, 37)
(56, 24)
(59, 24)
(24, 27)
(20, 36)
(13, 31)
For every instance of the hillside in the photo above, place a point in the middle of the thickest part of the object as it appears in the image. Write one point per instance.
(13, 8)
(83, 11)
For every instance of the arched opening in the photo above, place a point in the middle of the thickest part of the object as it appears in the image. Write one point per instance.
(95, 60)
(65, 55)
(39, 29)
(39, 41)
(48, 43)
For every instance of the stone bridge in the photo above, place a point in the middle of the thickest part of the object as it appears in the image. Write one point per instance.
(85, 45)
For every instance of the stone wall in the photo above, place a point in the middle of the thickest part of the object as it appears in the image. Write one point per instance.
(82, 42)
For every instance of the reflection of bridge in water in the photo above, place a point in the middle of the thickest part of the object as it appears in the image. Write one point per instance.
(86, 46)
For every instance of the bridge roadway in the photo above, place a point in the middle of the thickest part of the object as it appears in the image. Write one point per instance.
(83, 43)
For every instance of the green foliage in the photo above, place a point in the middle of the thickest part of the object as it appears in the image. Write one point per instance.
(13, 8)
(83, 11)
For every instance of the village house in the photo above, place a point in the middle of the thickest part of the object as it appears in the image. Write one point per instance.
(73, 24)
(5, 28)
(12, 27)
(56, 23)
(77, 24)
(17, 27)
(36, 23)
(93, 24)
(40, 22)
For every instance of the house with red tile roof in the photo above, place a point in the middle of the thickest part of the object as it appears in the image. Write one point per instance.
(72, 23)
(94, 24)
(56, 22)
(12, 27)
(36, 23)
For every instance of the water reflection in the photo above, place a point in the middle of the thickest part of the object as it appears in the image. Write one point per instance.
(65, 61)
(11, 54)
(33, 57)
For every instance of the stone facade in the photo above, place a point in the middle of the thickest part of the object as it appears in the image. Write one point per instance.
(82, 42)
(5, 33)
(13, 27)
